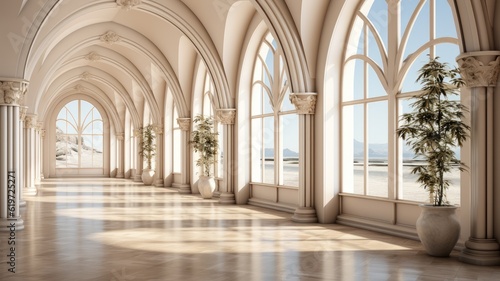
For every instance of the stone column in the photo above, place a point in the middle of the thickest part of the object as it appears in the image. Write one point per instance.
(38, 154)
(184, 186)
(138, 164)
(42, 143)
(226, 117)
(30, 155)
(159, 155)
(11, 92)
(305, 103)
(480, 73)
(21, 175)
(120, 137)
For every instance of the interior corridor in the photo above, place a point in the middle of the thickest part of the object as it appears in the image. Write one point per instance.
(114, 229)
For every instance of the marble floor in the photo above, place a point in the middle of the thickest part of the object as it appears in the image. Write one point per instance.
(118, 230)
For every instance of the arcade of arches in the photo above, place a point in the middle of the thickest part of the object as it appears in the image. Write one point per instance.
(305, 96)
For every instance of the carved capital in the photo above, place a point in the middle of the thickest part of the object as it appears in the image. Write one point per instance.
(22, 113)
(226, 116)
(305, 103)
(138, 133)
(110, 37)
(158, 129)
(39, 126)
(128, 4)
(93, 56)
(184, 123)
(479, 69)
(120, 136)
(30, 121)
(42, 133)
(12, 91)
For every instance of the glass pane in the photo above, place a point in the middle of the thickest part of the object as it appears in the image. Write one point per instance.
(97, 148)
(257, 100)
(378, 149)
(268, 105)
(409, 188)
(85, 112)
(419, 34)
(287, 104)
(353, 86)
(97, 127)
(176, 165)
(375, 88)
(407, 9)
(269, 150)
(410, 83)
(378, 16)
(445, 24)
(257, 154)
(61, 152)
(374, 51)
(86, 151)
(61, 127)
(71, 128)
(290, 125)
(353, 149)
(88, 128)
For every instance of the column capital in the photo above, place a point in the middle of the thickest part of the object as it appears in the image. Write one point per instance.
(22, 112)
(30, 121)
(120, 136)
(184, 123)
(479, 69)
(42, 133)
(39, 125)
(226, 116)
(305, 103)
(12, 91)
(158, 129)
(138, 132)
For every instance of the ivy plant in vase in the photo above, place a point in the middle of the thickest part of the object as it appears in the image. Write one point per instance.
(206, 143)
(432, 130)
(148, 152)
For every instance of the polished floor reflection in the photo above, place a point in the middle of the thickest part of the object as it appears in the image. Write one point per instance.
(119, 230)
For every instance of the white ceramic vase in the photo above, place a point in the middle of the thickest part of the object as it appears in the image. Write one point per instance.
(206, 186)
(148, 176)
(438, 229)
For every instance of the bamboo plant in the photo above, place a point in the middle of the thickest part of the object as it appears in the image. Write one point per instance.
(148, 145)
(206, 142)
(435, 127)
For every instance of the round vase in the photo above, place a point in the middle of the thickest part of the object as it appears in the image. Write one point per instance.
(148, 176)
(438, 229)
(206, 186)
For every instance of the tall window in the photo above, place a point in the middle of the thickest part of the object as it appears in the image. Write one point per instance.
(79, 136)
(208, 111)
(389, 42)
(275, 123)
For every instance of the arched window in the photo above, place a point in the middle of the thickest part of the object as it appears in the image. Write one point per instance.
(389, 42)
(275, 123)
(79, 136)
(209, 111)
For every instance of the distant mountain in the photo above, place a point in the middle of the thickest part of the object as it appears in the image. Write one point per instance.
(287, 153)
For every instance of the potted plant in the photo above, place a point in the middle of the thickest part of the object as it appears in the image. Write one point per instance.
(432, 130)
(206, 143)
(148, 152)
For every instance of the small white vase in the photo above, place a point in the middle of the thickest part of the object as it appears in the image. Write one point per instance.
(148, 176)
(438, 229)
(206, 186)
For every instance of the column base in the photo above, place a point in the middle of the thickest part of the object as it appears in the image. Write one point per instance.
(11, 225)
(138, 178)
(182, 188)
(305, 215)
(159, 183)
(30, 191)
(227, 198)
(216, 194)
(120, 175)
(481, 252)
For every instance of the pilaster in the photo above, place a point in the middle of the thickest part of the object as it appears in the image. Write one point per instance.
(38, 152)
(21, 176)
(12, 91)
(120, 153)
(30, 155)
(183, 186)
(139, 159)
(305, 103)
(158, 128)
(227, 117)
(480, 73)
